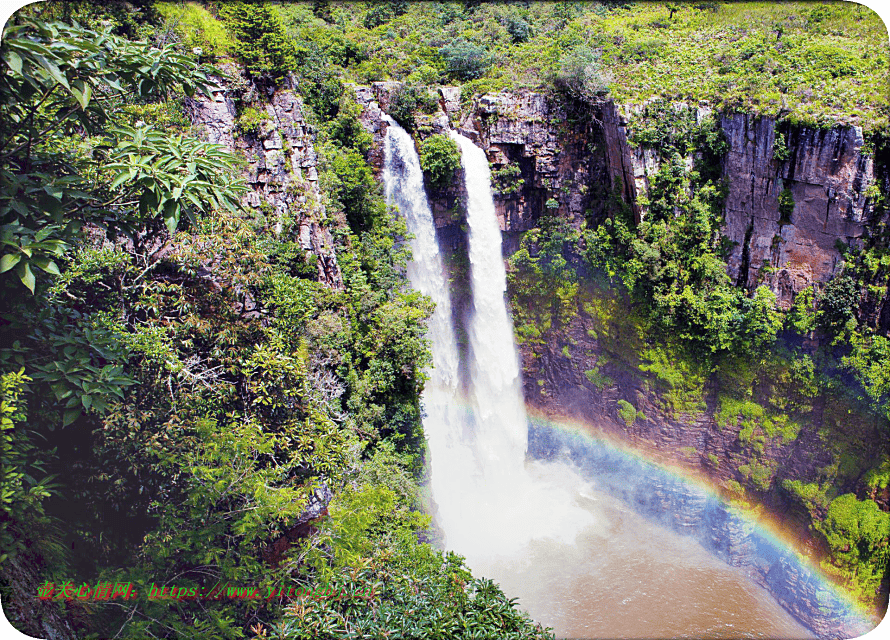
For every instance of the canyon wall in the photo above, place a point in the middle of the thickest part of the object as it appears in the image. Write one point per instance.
(281, 170)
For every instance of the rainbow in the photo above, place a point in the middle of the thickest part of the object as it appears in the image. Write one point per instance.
(827, 610)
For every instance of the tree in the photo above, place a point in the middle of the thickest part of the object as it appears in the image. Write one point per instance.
(439, 159)
(838, 304)
(464, 60)
(581, 76)
(66, 164)
(762, 319)
(262, 41)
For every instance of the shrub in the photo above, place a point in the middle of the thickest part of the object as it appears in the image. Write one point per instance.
(781, 152)
(786, 206)
(407, 100)
(439, 158)
(263, 45)
(251, 120)
(857, 533)
(464, 60)
(197, 28)
(346, 127)
(518, 29)
(580, 74)
(598, 379)
(383, 12)
(627, 412)
(838, 304)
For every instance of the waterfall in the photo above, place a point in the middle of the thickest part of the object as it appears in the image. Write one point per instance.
(489, 504)
(506, 504)
(502, 430)
(445, 422)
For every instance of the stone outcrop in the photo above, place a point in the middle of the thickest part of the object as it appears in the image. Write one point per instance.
(826, 174)
(282, 168)
(541, 161)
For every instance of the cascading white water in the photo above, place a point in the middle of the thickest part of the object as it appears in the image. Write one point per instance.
(506, 504)
(488, 504)
(445, 422)
(502, 429)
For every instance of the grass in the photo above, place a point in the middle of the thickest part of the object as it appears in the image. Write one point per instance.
(815, 63)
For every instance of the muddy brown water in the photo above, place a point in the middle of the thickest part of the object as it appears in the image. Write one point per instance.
(627, 577)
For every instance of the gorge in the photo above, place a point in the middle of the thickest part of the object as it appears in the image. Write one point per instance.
(488, 316)
(527, 526)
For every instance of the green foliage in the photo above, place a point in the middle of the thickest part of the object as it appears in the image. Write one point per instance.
(346, 129)
(382, 12)
(543, 284)
(598, 379)
(580, 74)
(802, 317)
(837, 305)
(408, 99)
(261, 41)
(354, 187)
(680, 378)
(811, 495)
(415, 594)
(673, 260)
(627, 412)
(464, 60)
(196, 27)
(781, 151)
(518, 28)
(759, 473)
(762, 319)
(857, 532)
(506, 180)
(251, 120)
(59, 144)
(779, 63)
(786, 206)
(869, 360)
(439, 159)
(21, 494)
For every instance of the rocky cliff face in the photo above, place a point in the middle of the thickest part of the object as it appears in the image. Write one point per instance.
(826, 173)
(281, 165)
(544, 162)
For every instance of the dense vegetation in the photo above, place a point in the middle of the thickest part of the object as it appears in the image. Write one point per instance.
(178, 389)
(812, 63)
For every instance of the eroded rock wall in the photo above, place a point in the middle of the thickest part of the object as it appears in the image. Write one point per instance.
(827, 174)
(282, 166)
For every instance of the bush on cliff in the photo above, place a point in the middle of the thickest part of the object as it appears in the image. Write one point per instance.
(858, 533)
(439, 159)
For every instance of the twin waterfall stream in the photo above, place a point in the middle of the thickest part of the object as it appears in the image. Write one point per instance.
(578, 559)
